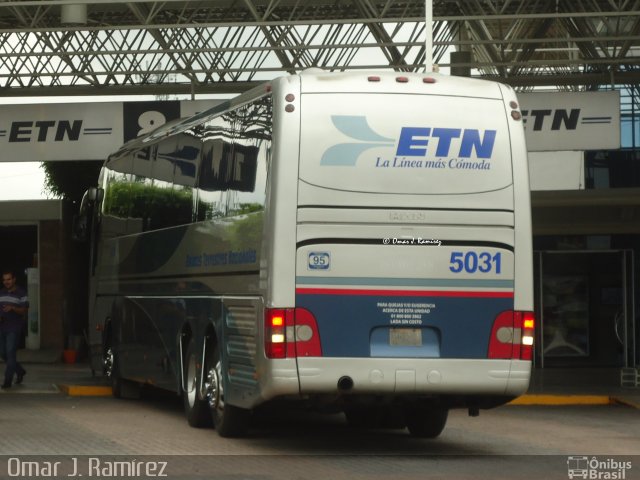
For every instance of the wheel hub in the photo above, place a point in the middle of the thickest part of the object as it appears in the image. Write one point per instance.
(213, 388)
(107, 362)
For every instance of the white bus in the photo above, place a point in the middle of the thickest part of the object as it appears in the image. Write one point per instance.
(357, 241)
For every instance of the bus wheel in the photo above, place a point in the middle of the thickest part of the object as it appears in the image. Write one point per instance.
(426, 421)
(120, 388)
(228, 420)
(107, 362)
(196, 410)
(111, 371)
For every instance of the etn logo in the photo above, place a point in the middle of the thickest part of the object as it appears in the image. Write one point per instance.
(414, 141)
(26, 131)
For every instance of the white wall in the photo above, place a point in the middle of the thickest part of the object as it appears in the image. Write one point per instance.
(556, 170)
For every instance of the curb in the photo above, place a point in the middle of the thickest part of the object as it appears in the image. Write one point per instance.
(86, 390)
(626, 402)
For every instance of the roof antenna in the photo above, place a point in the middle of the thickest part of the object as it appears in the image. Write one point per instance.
(428, 41)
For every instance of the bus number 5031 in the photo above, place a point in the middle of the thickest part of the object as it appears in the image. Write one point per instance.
(472, 262)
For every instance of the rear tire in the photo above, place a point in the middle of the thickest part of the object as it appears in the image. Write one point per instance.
(425, 420)
(228, 420)
(196, 409)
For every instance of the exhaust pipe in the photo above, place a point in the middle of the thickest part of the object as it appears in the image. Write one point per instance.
(345, 384)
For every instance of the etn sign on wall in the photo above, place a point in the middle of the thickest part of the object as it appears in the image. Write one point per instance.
(571, 121)
(82, 131)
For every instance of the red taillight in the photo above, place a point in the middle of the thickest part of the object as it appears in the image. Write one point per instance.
(307, 335)
(275, 334)
(501, 340)
(526, 322)
(291, 333)
(512, 336)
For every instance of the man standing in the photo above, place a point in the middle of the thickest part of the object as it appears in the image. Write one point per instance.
(13, 309)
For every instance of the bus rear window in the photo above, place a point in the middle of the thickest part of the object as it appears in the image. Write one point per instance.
(404, 144)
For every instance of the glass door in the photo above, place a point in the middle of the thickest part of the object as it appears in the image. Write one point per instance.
(585, 309)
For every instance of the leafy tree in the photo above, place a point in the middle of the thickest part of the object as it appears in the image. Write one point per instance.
(69, 180)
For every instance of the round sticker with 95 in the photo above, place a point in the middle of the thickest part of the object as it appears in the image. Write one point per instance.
(319, 260)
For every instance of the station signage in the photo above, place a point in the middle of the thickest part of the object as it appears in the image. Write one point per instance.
(82, 131)
(571, 120)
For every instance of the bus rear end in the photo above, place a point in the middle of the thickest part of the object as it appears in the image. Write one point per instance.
(413, 280)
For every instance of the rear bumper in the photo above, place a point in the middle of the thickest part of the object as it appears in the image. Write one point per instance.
(395, 376)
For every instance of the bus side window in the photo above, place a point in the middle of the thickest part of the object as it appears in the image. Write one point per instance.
(161, 201)
(141, 189)
(211, 184)
(116, 205)
(163, 181)
(247, 165)
(184, 179)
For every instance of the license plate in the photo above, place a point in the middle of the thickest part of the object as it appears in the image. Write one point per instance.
(405, 337)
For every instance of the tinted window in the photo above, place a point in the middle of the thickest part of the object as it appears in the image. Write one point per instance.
(116, 205)
(245, 166)
(216, 148)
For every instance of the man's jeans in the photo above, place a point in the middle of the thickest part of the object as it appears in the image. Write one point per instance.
(8, 352)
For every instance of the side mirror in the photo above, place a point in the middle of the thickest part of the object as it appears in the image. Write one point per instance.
(81, 221)
(94, 195)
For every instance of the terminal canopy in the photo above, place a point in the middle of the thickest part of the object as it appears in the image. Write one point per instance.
(95, 47)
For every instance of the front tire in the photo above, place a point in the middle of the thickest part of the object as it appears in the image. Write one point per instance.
(196, 409)
(120, 388)
(228, 420)
(111, 369)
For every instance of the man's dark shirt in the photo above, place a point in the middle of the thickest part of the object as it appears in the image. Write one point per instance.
(12, 321)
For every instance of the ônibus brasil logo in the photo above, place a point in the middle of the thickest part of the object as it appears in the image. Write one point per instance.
(416, 147)
(581, 466)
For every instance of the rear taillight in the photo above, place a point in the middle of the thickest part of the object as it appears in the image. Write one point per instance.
(526, 322)
(307, 335)
(512, 336)
(501, 340)
(291, 333)
(275, 334)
